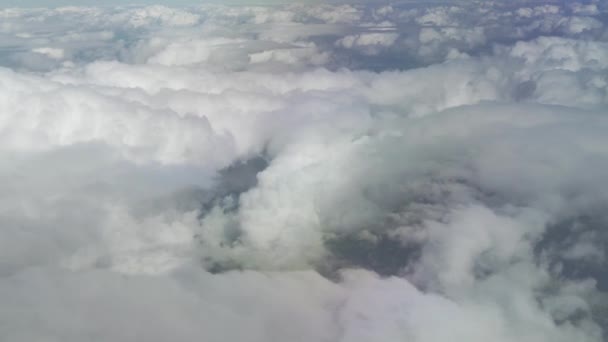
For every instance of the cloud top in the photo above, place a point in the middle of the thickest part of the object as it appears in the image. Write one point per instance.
(314, 172)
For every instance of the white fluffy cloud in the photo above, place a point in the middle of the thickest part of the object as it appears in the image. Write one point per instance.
(304, 172)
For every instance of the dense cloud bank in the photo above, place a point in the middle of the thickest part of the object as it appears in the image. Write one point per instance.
(304, 173)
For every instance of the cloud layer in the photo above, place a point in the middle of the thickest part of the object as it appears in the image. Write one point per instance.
(418, 172)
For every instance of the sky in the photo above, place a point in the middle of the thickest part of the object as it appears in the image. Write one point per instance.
(106, 3)
(58, 3)
(321, 172)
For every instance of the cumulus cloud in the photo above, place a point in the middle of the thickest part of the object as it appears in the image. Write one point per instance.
(314, 172)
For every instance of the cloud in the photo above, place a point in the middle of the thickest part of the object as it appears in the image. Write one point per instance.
(318, 172)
